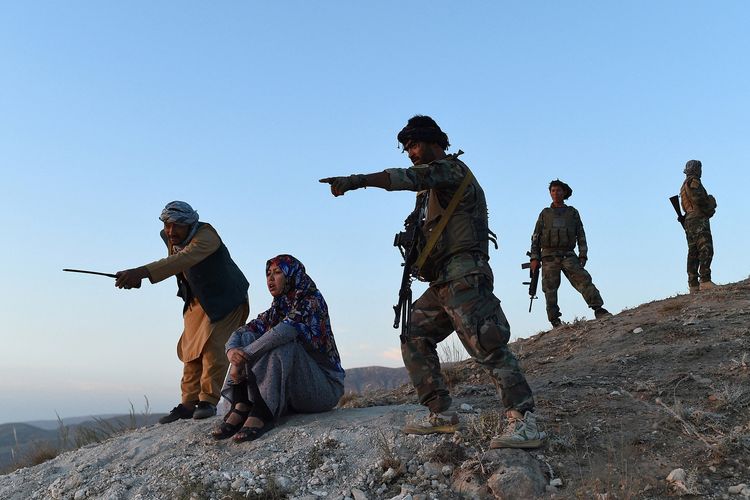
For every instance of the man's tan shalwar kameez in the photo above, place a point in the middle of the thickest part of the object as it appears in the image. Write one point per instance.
(201, 345)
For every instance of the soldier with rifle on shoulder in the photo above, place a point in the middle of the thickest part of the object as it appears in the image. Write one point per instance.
(447, 244)
(699, 206)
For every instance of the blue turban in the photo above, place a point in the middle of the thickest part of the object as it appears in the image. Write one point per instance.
(179, 212)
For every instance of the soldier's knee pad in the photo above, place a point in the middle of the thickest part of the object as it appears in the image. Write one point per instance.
(491, 335)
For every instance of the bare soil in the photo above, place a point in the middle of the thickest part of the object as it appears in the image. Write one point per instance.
(629, 398)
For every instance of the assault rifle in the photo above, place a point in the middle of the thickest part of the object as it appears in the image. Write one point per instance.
(533, 280)
(676, 205)
(408, 242)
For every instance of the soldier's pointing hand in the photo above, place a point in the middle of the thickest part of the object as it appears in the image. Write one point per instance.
(340, 185)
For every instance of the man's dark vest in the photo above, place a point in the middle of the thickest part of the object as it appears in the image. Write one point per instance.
(216, 282)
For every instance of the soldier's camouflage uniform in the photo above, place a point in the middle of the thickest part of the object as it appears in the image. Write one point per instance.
(556, 234)
(698, 207)
(460, 296)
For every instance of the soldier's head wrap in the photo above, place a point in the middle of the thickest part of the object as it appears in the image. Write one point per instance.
(179, 212)
(693, 168)
(422, 128)
(567, 190)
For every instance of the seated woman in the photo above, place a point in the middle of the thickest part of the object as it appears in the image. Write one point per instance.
(283, 361)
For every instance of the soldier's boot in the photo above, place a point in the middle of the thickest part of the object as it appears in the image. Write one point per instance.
(707, 285)
(434, 423)
(520, 433)
(694, 288)
(600, 312)
(555, 322)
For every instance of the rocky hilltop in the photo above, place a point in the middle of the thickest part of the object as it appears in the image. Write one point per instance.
(649, 403)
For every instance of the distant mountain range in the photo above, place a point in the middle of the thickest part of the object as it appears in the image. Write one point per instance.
(370, 378)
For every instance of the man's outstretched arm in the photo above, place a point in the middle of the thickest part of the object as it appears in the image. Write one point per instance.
(340, 185)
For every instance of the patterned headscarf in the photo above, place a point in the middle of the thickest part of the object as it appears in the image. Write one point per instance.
(693, 168)
(302, 306)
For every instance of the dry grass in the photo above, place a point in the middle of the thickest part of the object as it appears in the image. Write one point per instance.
(448, 452)
(388, 459)
(672, 307)
(348, 399)
(99, 431)
(481, 429)
(451, 353)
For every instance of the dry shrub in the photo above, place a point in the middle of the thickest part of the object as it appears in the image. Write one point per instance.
(448, 452)
(348, 400)
(481, 429)
(388, 459)
(451, 354)
(671, 307)
(38, 454)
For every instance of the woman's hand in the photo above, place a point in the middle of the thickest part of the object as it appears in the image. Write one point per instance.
(237, 356)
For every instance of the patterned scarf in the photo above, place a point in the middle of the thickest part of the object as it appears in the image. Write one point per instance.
(302, 306)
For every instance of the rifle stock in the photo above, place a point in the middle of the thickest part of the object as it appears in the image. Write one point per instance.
(675, 200)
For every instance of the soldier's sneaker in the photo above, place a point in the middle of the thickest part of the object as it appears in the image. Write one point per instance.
(707, 285)
(555, 322)
(600, 312)
(434, 423)
(694, 288)
(520, 433)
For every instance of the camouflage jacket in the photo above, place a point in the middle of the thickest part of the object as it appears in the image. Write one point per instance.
(557, 232)
(695, 200)
(463, 246)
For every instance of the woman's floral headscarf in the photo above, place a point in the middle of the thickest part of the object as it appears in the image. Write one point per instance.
(302, 306)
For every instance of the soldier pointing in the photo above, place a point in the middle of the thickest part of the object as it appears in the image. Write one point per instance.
(460, 296)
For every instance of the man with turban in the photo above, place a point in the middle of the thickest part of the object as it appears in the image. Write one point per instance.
(699, 206)
(460, 296)
(215, 294)
(557, 232)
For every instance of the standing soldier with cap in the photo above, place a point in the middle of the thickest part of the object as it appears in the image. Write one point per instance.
(215, 294)
(557, 231)
(699, 206)
(460, 294)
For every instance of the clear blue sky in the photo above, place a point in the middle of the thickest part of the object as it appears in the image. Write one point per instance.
(111, 109)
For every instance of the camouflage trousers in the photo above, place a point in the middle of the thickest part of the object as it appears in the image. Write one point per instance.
(700, 249)
(570, 266)
(468, 307)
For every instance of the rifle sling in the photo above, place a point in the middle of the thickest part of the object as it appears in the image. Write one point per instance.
(422, 258)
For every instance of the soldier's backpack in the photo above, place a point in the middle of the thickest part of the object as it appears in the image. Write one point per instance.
(711, 208)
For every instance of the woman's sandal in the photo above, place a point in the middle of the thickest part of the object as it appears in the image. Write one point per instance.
(251, 433)
(227, 430)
